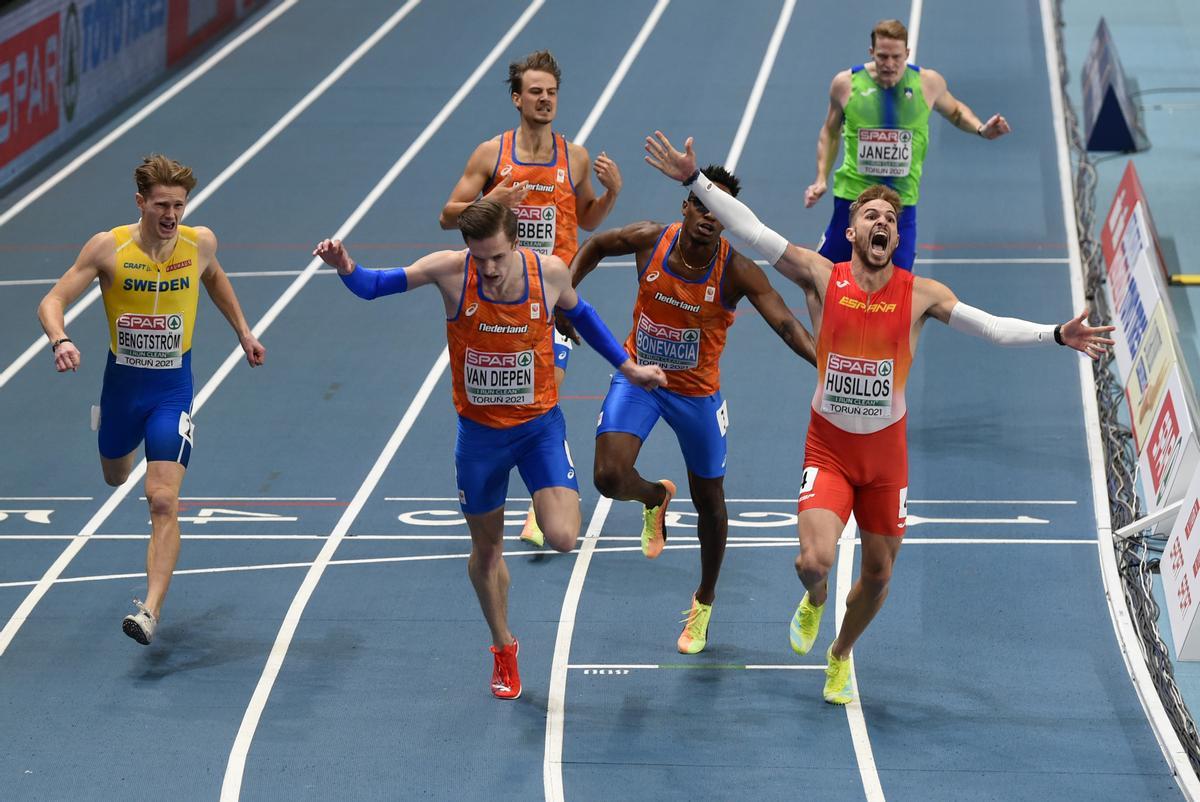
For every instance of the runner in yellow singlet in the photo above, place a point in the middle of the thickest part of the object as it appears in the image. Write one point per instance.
(150, 274)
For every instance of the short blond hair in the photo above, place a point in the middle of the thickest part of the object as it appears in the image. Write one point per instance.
(157, 170)
(890, 29)
(876, 192)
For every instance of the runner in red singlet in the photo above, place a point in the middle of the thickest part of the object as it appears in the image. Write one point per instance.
(544, 179)
(868, 316)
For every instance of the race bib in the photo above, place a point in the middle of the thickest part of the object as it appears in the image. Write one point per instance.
(859, 387)
(666, 346)
(492, 378)
(884, 152)
(536, 228)
(150, 341)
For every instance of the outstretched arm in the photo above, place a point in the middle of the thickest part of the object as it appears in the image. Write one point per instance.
(1011, 331)
(587, 322)
(798, 264)
(960, 115)
(633, 238)
(748, 279)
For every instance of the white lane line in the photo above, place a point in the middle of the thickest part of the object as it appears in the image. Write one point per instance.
(1126, 636)
(556, 702)
(619, 74)
(992, 261)
(45, 498)
(694, 667)
(237, 164)
(914, 29)
(234, 357)
(154, 105)
(782, 540)
(231, 785)
(760, 84)
(790, 542)
(854, 713)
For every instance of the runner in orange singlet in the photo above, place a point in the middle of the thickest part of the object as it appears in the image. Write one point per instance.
(689, 282)
(500, 302)
(868, 316)
(544, 179)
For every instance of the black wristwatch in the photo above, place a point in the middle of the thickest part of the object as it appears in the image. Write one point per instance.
(54, 345)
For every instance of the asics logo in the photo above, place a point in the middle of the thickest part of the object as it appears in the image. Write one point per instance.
(843, 284)
(867, 92)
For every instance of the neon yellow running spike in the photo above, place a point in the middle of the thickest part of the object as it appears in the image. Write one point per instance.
(654, 526)
(694, 637)
(837, 680)
(532, 533)
(805, 624)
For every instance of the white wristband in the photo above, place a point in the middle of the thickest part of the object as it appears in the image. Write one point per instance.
(999, 330)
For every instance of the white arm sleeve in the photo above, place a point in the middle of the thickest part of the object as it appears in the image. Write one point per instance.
(999, 330)
(739, 220)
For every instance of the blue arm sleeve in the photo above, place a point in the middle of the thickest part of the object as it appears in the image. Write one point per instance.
(369, 284)
(589, 325)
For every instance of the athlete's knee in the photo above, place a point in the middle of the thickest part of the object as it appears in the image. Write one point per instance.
(115, 476)
(610, 479)
(813, 566)
(875, 577)
(162, 500)
(560, 537)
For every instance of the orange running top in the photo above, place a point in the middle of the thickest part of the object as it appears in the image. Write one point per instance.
(680, 323)
(546, 219)
(502, 353)
(864, 352)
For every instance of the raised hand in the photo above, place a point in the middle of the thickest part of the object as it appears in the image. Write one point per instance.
(663, 157)
(334, 254)
(1086, 339)
(509, 193)
(607, 173)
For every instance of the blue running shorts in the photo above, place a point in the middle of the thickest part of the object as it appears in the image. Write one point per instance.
(484, 457)
(699, 422)
(139, 404)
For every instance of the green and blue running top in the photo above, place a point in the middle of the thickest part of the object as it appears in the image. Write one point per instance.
(885, 134)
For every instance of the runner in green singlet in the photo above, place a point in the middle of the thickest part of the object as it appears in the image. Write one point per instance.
(881, 111)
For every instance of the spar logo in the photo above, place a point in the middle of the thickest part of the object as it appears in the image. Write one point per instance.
(534, 214)
(143, 322)
(885, 135)
(860, 367)
(73, 51)
(174, 322)
(668, 332)
(481, 359)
